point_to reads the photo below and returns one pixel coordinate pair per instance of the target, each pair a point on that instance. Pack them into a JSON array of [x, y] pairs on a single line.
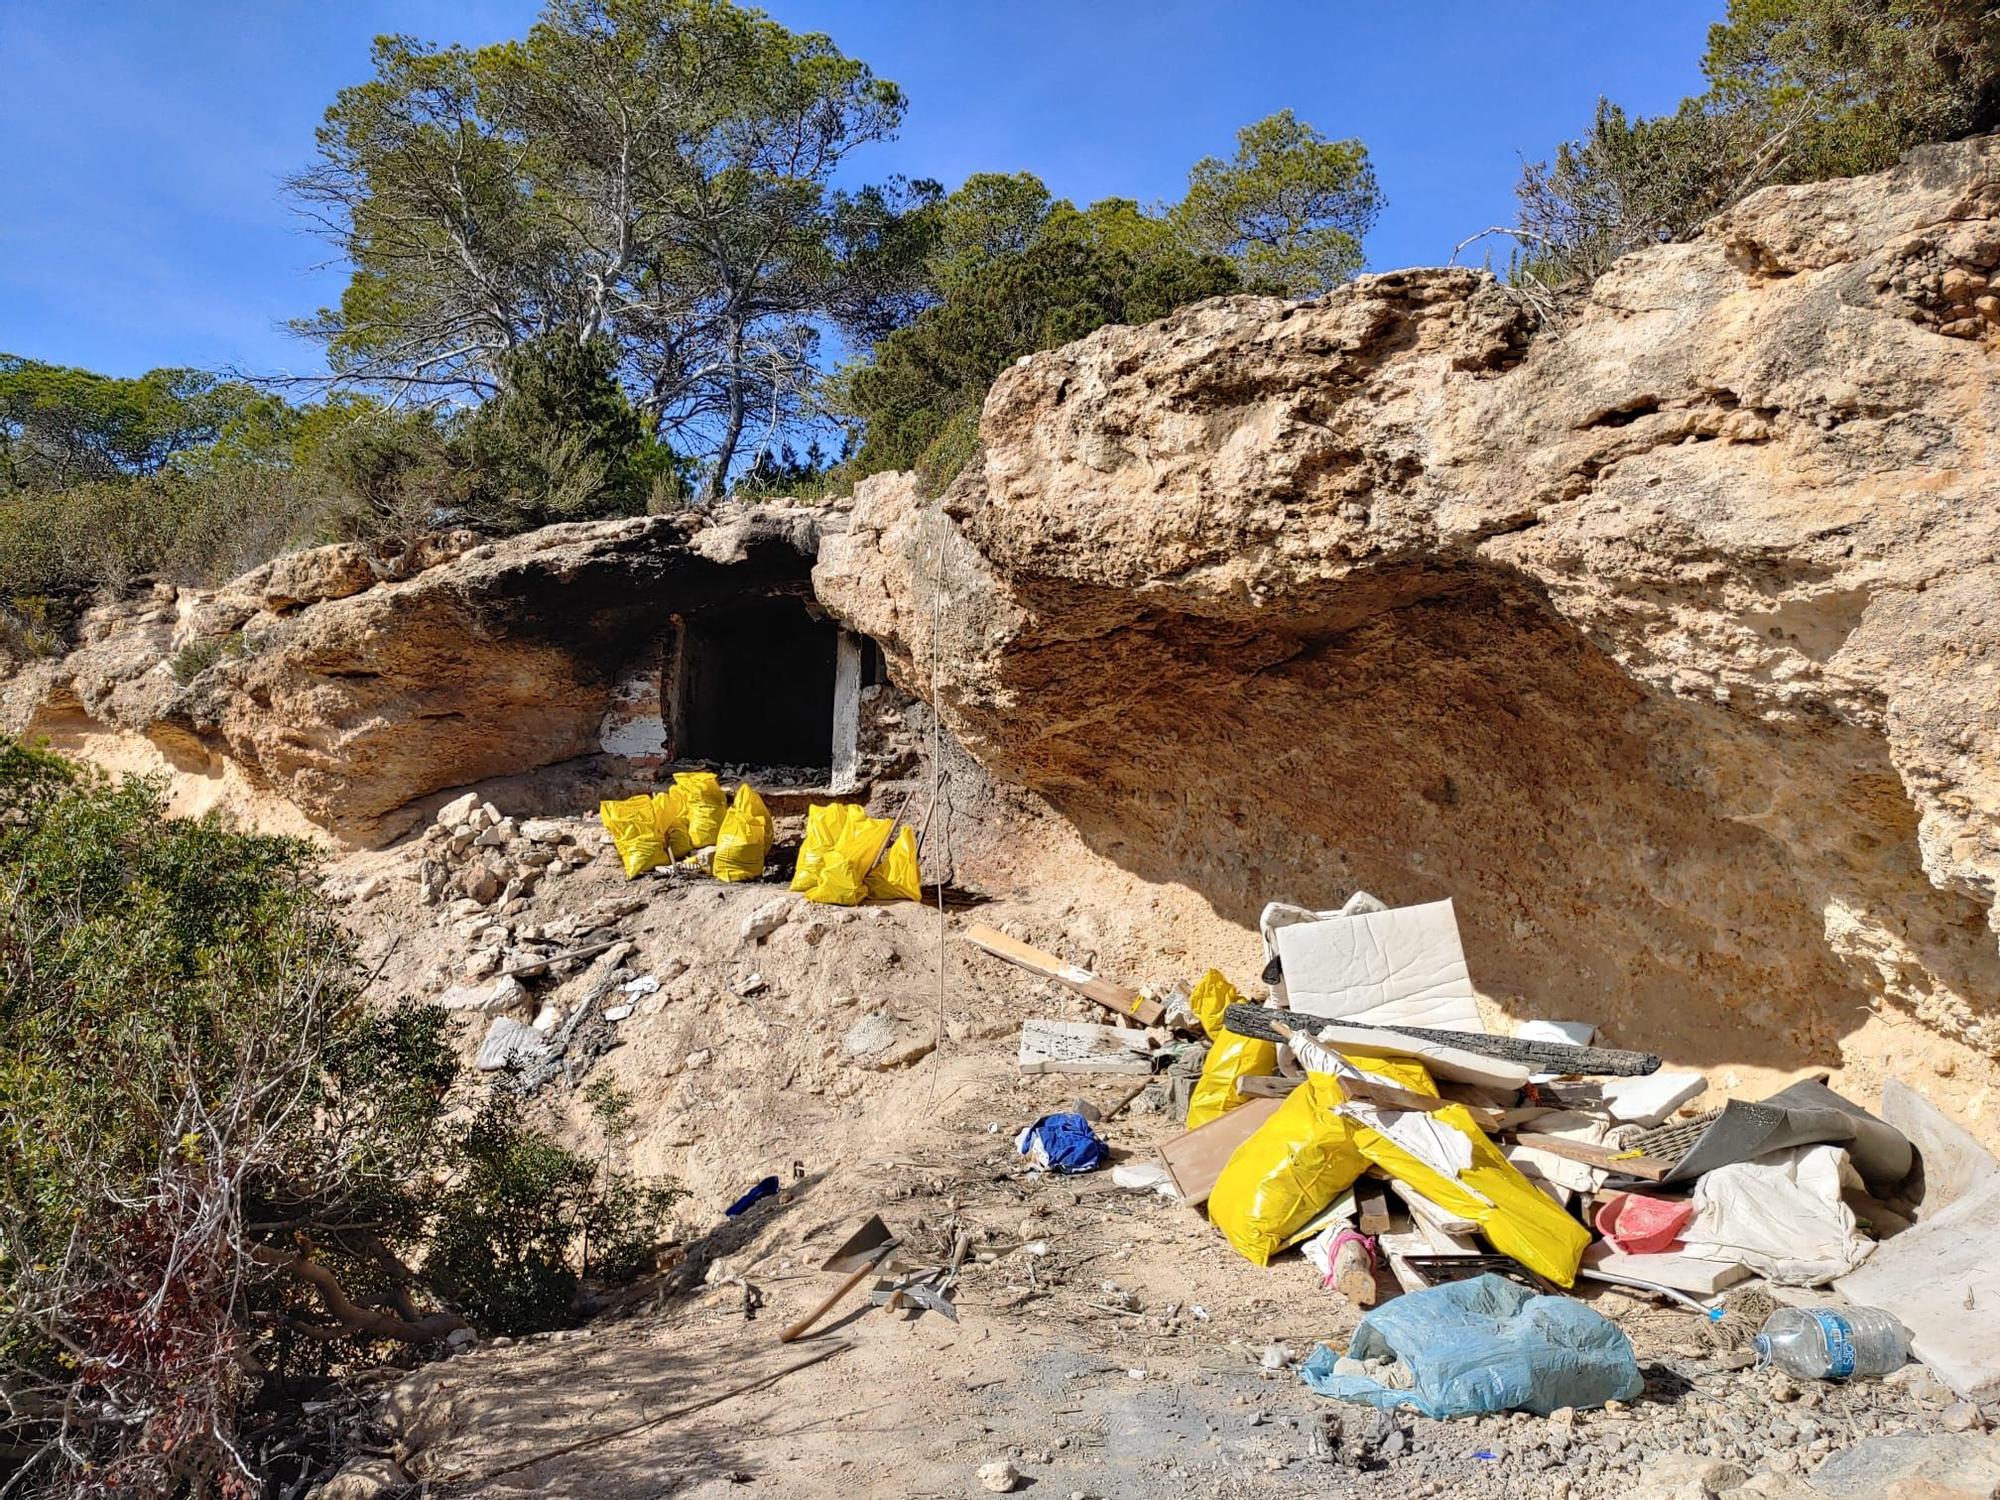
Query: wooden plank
[[1267, 1086], [1194, 1160], [1112, 996], [1604, 1157], [557, 958], [1397, 1248], [1371, 1199], [1425, 1211], [1441, 1241]]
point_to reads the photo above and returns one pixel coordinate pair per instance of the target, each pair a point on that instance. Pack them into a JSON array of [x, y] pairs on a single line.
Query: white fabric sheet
[[1781, 1215]]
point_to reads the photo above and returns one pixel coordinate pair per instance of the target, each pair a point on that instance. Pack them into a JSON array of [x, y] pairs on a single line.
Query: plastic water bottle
[[1832, 1343]]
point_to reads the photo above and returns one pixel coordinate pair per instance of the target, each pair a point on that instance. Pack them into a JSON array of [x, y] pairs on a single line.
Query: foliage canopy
[[1799, 91]]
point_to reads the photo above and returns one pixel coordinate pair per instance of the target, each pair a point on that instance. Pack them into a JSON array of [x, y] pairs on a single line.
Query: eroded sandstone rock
[[352, 680], [1666, 642]]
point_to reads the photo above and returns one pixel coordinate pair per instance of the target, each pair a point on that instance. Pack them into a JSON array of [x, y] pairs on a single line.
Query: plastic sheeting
[[1484, 1345], [1230, 1056], [1315, 1144]]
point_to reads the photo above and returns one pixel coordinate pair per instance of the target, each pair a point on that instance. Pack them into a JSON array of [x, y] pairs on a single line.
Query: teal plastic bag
[[1485, 1345]]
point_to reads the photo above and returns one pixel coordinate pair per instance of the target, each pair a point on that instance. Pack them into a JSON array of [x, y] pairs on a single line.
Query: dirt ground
[[1109, 1342]]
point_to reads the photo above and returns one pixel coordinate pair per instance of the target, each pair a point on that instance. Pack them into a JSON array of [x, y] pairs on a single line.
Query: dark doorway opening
[[757, 685]]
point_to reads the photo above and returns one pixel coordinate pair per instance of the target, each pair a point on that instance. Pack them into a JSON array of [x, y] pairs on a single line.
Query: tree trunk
[[1554, 1057], [732, 432]]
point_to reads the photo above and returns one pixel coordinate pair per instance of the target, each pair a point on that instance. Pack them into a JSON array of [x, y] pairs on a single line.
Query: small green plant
[[610, 1105], [32, 625], [196, 657], [529, 1221]]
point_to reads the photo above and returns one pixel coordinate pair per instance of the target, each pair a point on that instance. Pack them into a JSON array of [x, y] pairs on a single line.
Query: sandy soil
[[1123, 1357]]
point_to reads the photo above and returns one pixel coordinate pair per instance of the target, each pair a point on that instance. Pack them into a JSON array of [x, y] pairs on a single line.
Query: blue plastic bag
[[757, 1194], [1485, 1345], [1062, 1143]]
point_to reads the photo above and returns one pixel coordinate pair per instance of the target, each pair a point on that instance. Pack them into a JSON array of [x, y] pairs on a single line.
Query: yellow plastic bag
[[1517, 1217], [670, 812], [1299, 1160], [841, 846], [843, 859], [825, 822], [635, 833], [1230, 1056], [744, 838], [1211, 996], [1302, 1158], [897, 877], [705, 805]]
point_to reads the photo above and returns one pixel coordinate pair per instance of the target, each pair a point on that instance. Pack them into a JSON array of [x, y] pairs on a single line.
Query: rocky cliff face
[[347, 682], [1664, 641]]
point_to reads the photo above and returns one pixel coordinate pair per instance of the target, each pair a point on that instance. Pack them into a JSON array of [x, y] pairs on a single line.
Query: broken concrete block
[[1684, 1273], [1649, 1100], [1082, 1047], [1952, 1161], [543, 831], [1941, 1279], [507, 1039]]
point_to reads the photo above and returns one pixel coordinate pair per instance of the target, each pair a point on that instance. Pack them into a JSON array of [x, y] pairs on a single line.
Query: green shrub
[[1799, 91], [196, 657], [528, 1221], [220, 1168]]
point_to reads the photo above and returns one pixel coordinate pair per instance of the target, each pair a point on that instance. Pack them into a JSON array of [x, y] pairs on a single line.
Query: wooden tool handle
[[798, 1329]]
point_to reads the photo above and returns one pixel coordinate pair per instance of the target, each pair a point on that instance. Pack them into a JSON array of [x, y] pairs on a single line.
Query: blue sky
[[145, 139]]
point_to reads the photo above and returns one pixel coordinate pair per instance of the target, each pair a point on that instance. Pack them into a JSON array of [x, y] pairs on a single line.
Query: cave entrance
[[754, 683]]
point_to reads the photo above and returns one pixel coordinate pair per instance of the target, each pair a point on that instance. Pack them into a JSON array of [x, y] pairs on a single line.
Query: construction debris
[[1379, 1064]]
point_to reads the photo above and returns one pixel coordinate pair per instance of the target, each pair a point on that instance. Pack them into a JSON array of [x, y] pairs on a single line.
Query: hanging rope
[[938, 524]]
